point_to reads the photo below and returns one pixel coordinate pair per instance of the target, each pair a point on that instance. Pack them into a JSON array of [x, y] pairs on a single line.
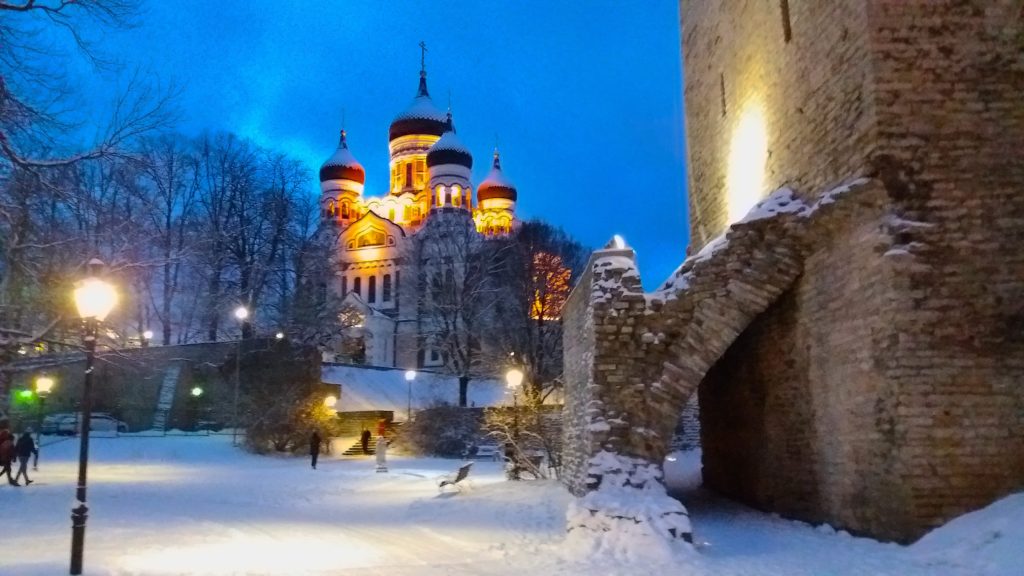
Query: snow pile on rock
[[629, 516]]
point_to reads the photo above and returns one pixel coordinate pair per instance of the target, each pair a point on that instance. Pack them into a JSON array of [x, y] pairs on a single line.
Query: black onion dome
[[496, 185], [449, 149], [342, 165], [420, 117]]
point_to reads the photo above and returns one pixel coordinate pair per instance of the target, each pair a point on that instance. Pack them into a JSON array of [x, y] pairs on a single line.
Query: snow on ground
[[195, 505]]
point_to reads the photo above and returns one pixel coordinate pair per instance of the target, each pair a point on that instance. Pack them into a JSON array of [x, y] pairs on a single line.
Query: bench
[[458, 476]]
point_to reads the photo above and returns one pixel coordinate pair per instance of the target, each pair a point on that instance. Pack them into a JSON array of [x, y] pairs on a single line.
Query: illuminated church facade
[[381, 248]]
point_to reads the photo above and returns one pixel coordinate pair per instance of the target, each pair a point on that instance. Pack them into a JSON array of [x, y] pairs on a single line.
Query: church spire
[[423, 70]]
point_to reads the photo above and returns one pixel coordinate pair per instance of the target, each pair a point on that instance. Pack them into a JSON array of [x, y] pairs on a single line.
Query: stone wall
[[903, 335], [127, 382], [814, 94]]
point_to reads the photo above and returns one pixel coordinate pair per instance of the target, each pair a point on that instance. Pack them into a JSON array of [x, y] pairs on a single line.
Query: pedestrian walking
[[314, 447], [24, 449], [7, 455], [364, 439]]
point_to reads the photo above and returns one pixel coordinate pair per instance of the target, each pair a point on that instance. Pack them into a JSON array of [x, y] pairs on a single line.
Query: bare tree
[[539, 266], [456, 293]]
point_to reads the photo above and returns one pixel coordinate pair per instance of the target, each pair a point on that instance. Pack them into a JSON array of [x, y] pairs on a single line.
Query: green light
[[25, 394]]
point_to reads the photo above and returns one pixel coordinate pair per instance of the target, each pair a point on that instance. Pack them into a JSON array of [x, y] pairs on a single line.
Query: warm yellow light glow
[[95, 298], [330, 401], [514, 378], [44, 384], [748, 155]]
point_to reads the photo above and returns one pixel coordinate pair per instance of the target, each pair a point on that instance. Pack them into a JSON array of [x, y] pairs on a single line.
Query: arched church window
[[386, 296], [344, 286], [357, 286], [344, 210], [330, 208], [437, 195], [371, 290], [408, 175]]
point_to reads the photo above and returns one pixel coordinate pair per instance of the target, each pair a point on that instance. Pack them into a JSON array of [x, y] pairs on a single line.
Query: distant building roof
[[367, 388]]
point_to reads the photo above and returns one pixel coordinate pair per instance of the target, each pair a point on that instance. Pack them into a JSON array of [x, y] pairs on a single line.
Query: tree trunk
[[463, 391]]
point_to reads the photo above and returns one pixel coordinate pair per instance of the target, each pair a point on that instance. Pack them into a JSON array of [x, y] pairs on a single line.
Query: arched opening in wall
[[757, 417], [371, 290]]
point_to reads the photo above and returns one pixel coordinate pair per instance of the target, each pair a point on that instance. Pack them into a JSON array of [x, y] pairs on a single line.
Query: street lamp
[[197, 392], [410, 375], [44, 384], [330, 401], [514, 379], [241, 313], [146, 337], [279, 336], [94, 299]]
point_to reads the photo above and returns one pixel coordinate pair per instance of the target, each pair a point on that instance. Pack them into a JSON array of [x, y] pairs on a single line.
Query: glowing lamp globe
[[514, 378], [241, 312], [44, 384], [330, 401], [95, 298], [197, 392], [279, 335], [410, 375], [148, 334]]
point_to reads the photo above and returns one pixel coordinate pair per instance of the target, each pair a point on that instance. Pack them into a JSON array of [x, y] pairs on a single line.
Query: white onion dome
[[342, 165], [449, 149], [496, 185], [420, 117]]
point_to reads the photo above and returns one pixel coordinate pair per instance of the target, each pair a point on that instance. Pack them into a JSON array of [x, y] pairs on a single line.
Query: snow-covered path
[[182, 505]]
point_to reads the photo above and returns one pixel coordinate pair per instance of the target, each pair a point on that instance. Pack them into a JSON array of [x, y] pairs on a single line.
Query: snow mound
[[989, 541]]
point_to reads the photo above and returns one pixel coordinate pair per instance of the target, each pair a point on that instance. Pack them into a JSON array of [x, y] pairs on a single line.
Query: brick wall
[[905, 333], [815, 93]]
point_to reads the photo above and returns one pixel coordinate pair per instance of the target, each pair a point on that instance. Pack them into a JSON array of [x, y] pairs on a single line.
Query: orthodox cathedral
[[377, 243]]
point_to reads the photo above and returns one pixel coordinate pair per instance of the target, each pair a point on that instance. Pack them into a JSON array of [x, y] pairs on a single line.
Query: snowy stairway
[[166, 398], [357, 448]]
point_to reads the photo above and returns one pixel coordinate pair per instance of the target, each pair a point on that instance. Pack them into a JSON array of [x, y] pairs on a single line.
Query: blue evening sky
[[585, 97]]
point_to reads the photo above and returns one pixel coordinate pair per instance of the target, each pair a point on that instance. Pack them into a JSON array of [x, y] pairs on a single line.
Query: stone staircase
[[165, 400], [356, 449]]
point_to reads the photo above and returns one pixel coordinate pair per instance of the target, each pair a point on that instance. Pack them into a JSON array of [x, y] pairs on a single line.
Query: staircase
[[165, 400], [357, 448]]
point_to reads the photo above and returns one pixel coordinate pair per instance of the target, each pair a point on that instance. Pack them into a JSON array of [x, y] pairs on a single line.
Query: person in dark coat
[[7, 455], [25, 448], [364, 439], [314, 447]]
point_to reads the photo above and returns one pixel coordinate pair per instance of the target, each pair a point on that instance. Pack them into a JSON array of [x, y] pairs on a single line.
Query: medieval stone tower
[[854, 314]]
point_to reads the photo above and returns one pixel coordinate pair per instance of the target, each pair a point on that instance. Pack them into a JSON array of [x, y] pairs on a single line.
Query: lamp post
[[241, 313], [514, 379], [44, 384], [94, 299], [410, 375]]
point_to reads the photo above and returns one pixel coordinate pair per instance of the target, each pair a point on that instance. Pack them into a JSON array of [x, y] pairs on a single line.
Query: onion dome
[[496, 185], [342, 165], [420, 117], [449, 149]]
